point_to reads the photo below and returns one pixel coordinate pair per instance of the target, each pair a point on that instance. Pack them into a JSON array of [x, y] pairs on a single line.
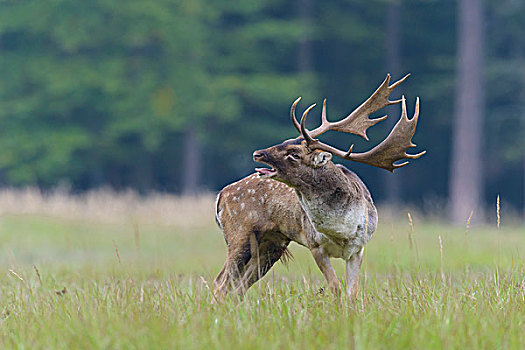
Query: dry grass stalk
[[498, 223], [16, 275], [412, 236], [498, 211], [209, 289], [468, 223], [441, 255], [410, 233], [116, 251], [38, 274]]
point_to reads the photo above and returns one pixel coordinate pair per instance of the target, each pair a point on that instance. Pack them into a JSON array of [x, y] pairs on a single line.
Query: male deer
[[305, 198]]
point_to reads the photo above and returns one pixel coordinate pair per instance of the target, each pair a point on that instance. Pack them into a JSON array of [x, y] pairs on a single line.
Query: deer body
[[304, 197], [264, 213]]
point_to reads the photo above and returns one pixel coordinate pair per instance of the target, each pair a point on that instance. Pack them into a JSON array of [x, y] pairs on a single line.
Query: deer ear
[[321, 158]]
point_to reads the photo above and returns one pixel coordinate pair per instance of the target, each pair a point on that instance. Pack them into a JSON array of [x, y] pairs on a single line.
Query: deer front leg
[[352, 273], [323, 261]]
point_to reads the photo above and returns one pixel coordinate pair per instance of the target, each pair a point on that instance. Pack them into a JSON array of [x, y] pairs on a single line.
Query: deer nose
[[259, 155]]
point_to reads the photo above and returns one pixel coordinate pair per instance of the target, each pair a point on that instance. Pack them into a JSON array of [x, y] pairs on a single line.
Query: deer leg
[[323, 261], [268, 251], [229, 278], [352, 273], [249, 263]]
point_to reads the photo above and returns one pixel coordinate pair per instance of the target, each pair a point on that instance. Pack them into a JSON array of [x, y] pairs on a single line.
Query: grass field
[[119, 271]]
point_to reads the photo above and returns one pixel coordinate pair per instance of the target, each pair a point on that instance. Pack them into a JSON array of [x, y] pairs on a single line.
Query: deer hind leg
[[249, 261], [267, 251], [352, 273], [323, 262], [248, 264], [229, 277]]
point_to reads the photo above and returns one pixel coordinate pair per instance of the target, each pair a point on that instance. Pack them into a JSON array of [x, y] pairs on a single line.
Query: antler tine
[[316, 144], [292, 114], [414, 120], [393, 86], [323, 113], [304, 133], [358, 122]]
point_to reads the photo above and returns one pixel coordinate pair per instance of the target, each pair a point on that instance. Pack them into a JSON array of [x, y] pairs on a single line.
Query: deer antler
[[384, 155], [356, 122]]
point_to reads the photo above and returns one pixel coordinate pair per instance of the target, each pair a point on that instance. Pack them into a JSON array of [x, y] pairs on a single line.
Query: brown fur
[[260, 216]]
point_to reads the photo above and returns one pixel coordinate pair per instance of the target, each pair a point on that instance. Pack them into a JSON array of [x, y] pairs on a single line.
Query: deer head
[[290, 160]]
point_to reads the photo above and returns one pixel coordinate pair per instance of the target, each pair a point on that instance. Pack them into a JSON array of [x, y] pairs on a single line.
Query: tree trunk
[[392, 182], [465, 173], [191, 163]]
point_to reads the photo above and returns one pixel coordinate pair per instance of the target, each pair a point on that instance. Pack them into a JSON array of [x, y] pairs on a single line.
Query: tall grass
[[108, 270]]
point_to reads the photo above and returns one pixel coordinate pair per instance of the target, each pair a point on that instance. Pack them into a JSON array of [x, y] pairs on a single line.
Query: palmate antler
[[384, 155]]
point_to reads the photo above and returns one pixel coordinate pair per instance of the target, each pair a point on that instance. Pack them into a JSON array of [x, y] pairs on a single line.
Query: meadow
[[107, 270]]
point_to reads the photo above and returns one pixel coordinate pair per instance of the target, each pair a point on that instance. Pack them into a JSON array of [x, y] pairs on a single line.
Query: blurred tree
[[176, 96], [466, 180], [505, 136], [259, 44], [108, 93], [392, 182]]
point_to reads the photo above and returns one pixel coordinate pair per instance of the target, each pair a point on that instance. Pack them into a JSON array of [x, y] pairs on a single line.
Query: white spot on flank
[[235, 199], [253, 199], [238, 188], [253, 215], [234, 212], [262, 200], [242, 206]]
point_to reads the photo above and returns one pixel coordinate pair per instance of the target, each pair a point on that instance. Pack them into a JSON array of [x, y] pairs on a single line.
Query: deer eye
[[293, 156]]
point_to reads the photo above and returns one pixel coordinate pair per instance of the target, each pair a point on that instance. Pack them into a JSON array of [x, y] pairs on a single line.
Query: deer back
[[254, 205]]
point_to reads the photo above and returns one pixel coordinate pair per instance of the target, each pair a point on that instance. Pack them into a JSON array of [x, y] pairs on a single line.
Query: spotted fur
[[329, 211]]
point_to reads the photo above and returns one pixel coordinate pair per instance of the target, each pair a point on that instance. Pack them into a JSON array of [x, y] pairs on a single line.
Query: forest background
[[174, 96]]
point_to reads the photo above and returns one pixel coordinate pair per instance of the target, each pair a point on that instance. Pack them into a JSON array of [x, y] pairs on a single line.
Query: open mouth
[[266, 172]]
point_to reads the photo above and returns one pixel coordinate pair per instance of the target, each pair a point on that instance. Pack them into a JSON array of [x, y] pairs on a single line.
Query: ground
[[113, 271]]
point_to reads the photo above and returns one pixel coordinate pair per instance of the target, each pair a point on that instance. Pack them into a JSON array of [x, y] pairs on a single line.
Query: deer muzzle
[[262, 157], [259, 156]]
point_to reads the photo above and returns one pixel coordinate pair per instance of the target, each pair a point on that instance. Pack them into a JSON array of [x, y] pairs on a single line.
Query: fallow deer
[[304, 197]]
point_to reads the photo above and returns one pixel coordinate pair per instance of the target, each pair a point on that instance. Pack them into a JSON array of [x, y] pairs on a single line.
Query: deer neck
[[327, 195]]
